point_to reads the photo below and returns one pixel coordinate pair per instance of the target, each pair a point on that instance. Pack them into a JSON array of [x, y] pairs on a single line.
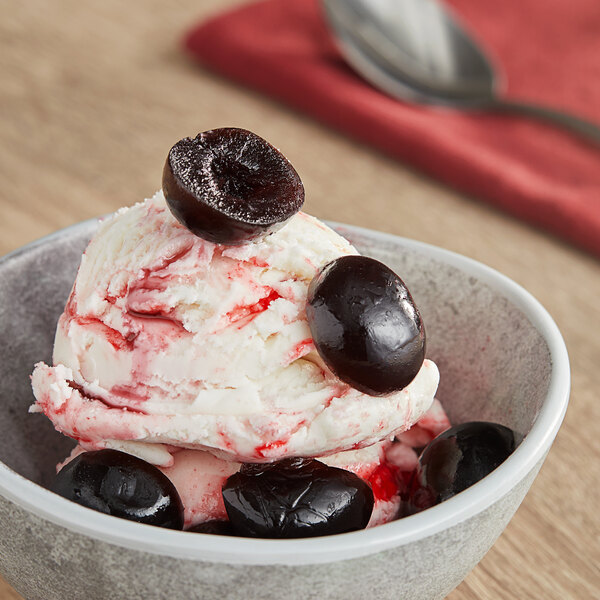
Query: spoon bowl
[[416, 50]]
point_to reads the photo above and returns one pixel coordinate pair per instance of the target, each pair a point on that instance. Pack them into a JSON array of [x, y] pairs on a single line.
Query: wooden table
[[93, 94]]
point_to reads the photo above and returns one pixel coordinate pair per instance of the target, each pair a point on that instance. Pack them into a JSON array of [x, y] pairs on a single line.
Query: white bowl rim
[[220, 549]]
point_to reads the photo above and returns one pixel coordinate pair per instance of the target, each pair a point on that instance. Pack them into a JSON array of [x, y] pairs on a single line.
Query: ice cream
[[197, 355], [170, 340]]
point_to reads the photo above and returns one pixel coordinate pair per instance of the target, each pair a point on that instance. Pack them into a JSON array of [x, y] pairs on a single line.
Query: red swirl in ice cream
[[169, 340]]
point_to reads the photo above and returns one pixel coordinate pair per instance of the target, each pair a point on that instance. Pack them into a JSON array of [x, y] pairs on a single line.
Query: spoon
[[415, 50]]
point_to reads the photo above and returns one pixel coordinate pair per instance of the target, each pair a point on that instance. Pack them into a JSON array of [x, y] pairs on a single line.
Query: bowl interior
[[494, 364]]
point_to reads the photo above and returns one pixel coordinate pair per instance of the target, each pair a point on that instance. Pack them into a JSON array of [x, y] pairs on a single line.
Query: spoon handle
[[584, 129]]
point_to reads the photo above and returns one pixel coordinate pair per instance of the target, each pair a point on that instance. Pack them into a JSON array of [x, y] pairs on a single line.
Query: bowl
[[501, 358]]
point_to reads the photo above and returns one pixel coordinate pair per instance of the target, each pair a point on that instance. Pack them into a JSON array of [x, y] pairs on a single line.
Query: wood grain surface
[[93, 94]]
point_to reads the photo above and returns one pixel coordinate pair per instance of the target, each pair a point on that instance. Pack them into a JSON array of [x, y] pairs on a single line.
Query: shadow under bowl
[[501, 358]]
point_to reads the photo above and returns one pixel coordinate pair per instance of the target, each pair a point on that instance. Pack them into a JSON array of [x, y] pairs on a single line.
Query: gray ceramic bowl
[[501, 358]]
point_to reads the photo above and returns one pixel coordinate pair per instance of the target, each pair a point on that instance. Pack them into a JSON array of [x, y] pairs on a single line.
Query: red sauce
[[114, 337], [261, 451], [384, 482], [301, 349], [244, 311]]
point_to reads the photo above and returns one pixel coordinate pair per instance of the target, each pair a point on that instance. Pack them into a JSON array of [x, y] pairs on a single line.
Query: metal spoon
[[415, 50]]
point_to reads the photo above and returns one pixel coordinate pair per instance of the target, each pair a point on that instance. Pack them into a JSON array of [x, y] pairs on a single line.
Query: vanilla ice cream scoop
[[169, 340]]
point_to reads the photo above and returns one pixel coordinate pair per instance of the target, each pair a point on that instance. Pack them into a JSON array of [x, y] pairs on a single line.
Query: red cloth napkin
[[549, 51]]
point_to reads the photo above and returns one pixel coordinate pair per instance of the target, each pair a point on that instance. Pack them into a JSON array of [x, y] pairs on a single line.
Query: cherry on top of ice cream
[[230, 186], [365, 325]]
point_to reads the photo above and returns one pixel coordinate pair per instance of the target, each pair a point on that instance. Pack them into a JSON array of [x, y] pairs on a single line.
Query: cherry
[[230, 186], [118, 484], [296, 498], [456, 459], [214, 527], [365, 325]]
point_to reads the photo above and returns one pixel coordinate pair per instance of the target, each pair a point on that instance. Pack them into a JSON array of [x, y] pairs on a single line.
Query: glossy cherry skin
[[365, 325], [230, 186], [296, 498], [121, 485], [456, 459]]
